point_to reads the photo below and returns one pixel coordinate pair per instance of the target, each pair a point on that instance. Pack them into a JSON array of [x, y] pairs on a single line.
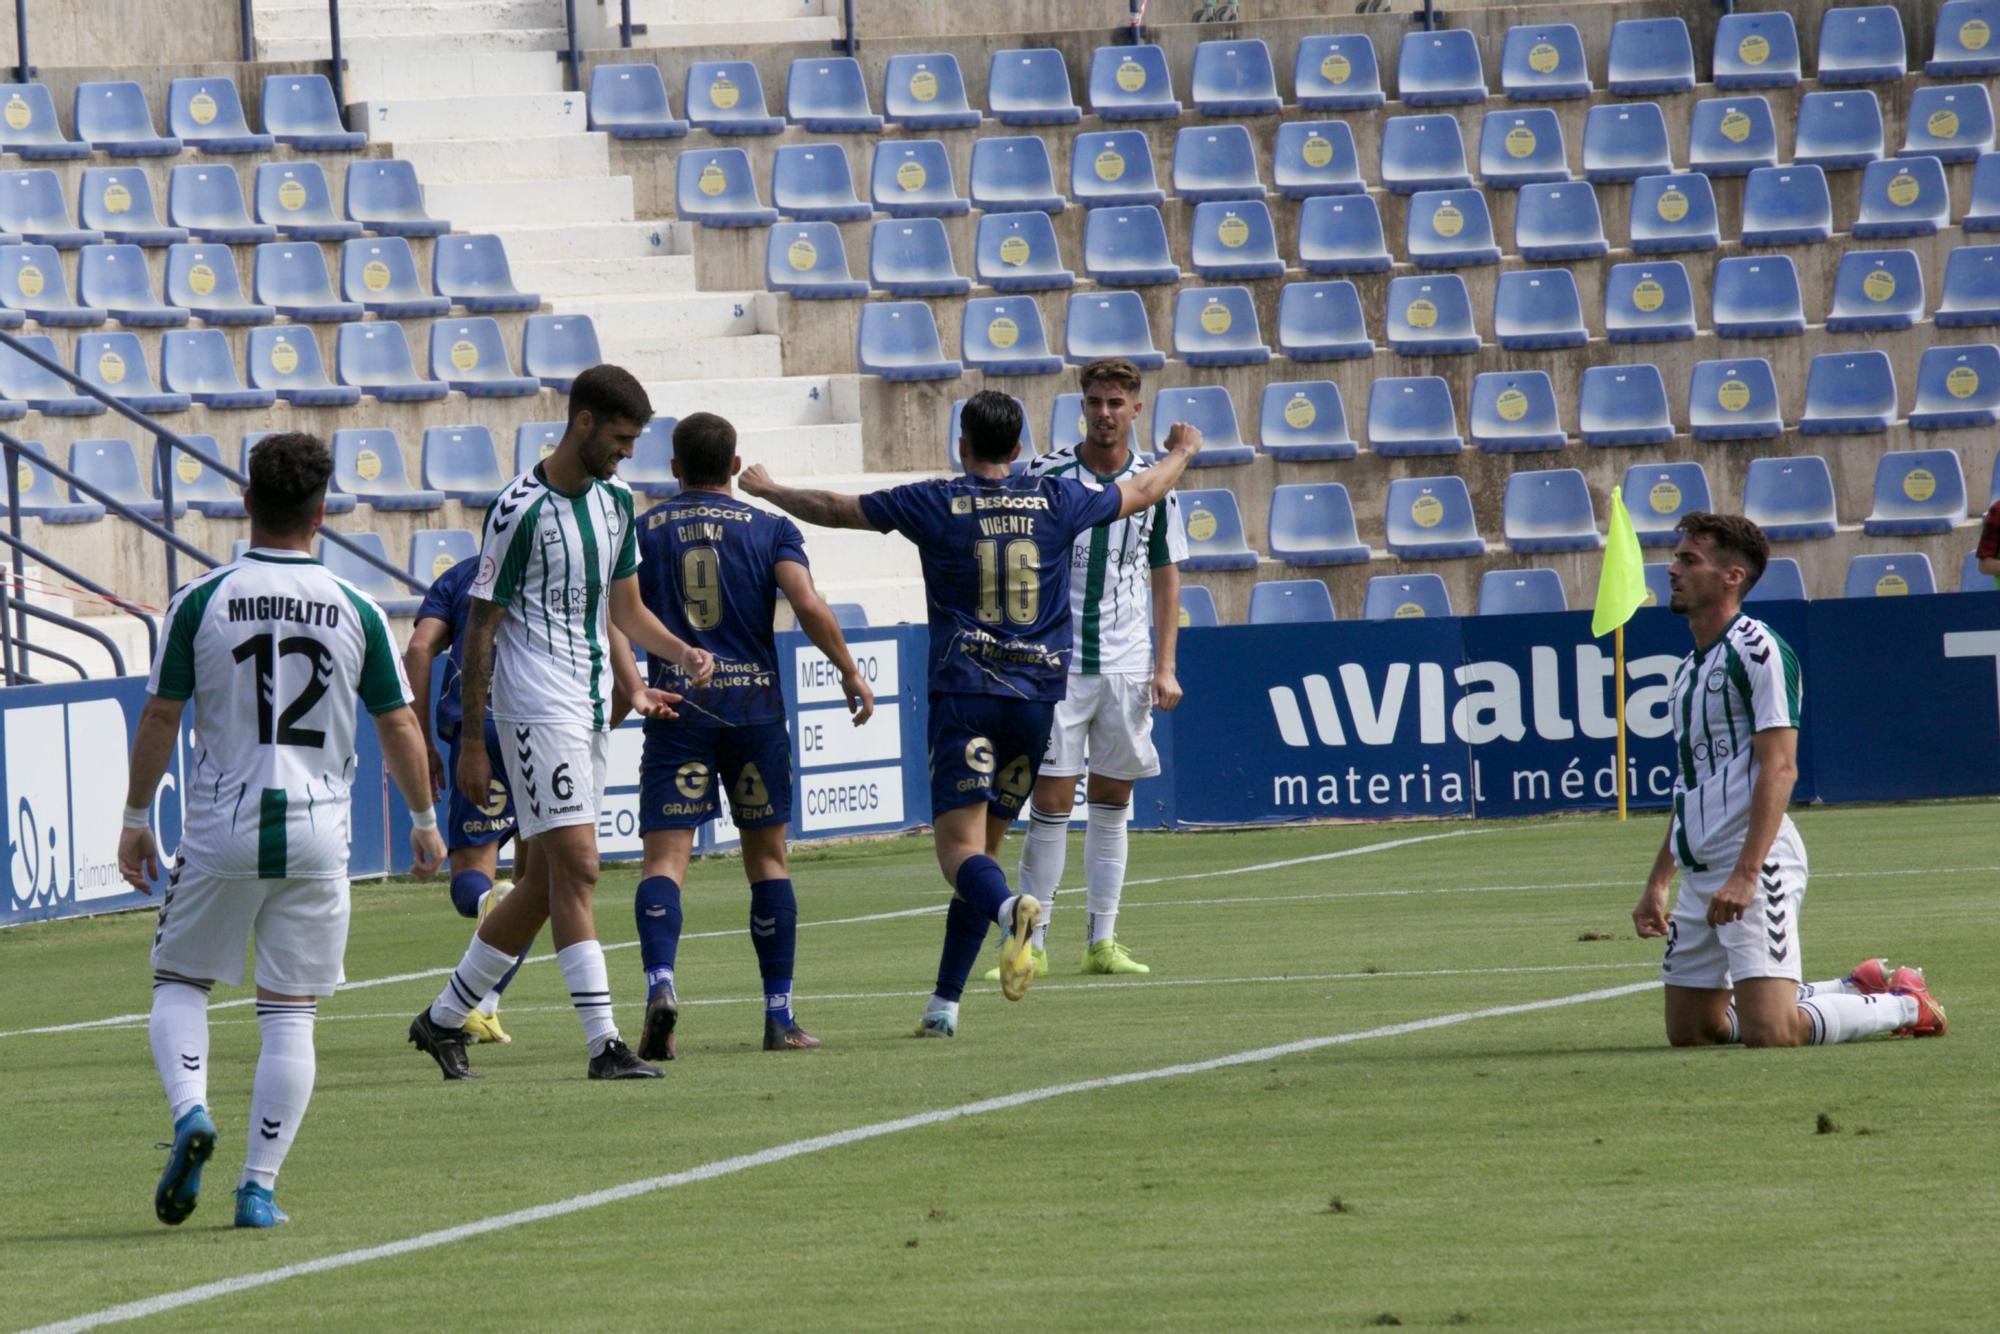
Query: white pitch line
[[1303, 861], [204, 1292]]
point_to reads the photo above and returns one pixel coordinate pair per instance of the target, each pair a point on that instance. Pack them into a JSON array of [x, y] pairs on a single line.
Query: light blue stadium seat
[[1301, 421], [911, 178], [1410, 415], [375, 358], [368, 465], [1876, 291], [827, 95], [208, 114], [1003, 335], [1734, 400], [389, 592], [558, 348], [32, 208], [1786, 206], [814, 183], [1903, 574], [1400, 597], [1971, 295], [1017, 252], [1131, 83], [42, 498], [1782, 582], [1066, 424], [1215, 162], [381, 273], [118, 201], [1861, 44], [1535, 309], [535, 441], [1982, 212], [1234, 240], [1289, 602], [29, 128], [113, 468], [1520, 593], [200, 364], [1956, 387], [460, 461], [1558, 221], [294, 198], [1430, 314], [1515, 411], [203, 489], [114, 278], [1916, 491], [1673, 215], [807, 260], [1970, 580], [1904, 196], [1312, 523], [1214, 529], [1422, 153], [1234, 78], [1549, 510], [470, 356], [299, 111], [1197, 608], [714, 187], [727, 97], [1623, 141], [1732, 136], [1757, 296], [630, 102], [1109, 324], [471, 271], [116, 363], [203, 279], [650, 470], [1127, 247], [1649, 302], [1952, 123], [1543, 62], [898, 340], [113, 118], [290, 277], [1030, 87], [1315, 157], [1964, 45], [1449, 229], [926, 91], [1113, 167], [382, 195], [1521, 146], [1839, 130], [1209, 409], [1021, 460], [849, 615], [1659, 592], [32, 282], [1322, 322], [1012, 173], [1848, 393], [207, 199], [1439, 68], [1658, 494], [1649, 56], [1337, 72], [287, 360], [1342, 234], [1759, 50], [1623, 405], [912, 257], [1430, 518], [1217, 326], [435, 550]]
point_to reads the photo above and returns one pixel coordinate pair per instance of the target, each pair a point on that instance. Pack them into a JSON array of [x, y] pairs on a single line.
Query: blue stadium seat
[[1312, 523], [827, 95], [29, 128], [926, 91], [1017, 252], [1109, 324], [294, 198], [118, 201], [1543, 63], [535, 441], [650, 470], [1217, 326], [1215, 532], [382, 195], [290, 277], [1301, 421], [630, 102], [1916, 491], [1449, 229], [558, 348], [1659, 592], [727, 97], [1549, 511], [1234, 240], [1648, 302], [1971, 295], [1410, 415], [1839, 130], [298, 110], [389, 592], [1757, 296], [1520, 593], [1337, 73], [114, 278], [1234, 78], [375, 358], [1066, 425], [1519, 147], [460, 461], [1322, 322], [368, 465], [807, 260], [1982, 212], [1013, 173], [849, 615], [381, 273], [898, 340], [471, 271], [1759, 50], [1003, 335], [813, 183], [435, 550], [1398, 597], [1210, 410], [41, 497], [911, 178], [1422, 153], [1623, 141], [1559, 221], [1782, 582], [1970, 580], [1127, 247], [1131, 83], [1732, 136], [1903, 574], [204, 490], [1215, 162], [203, 279], [1430, 315], [1952, 123], [1658, 494], [1848, 393], [113, 118], [1113, 167], [1623, 405], [1289, 602], [200, 364], [1315, 157], [287, 360], [1876, 291], [1734, 400], [113, 468], [1197, 608], [1515, 411], [1904, 196], [1964, 40], [116, 363], [32, 207], [1536, 309], [1786, 206], [1342, 234], [714, 187], [1956, 387], [208, 201], [912, 257], [471, 357], [1649, 56], [32, 282], [1430, 518], [1673, 215], [1030, 87], [1861, 44], [208, 114], [1439, 68]]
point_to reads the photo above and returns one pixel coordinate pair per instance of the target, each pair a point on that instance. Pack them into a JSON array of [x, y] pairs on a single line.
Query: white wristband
[[427, 818], [138, 817]]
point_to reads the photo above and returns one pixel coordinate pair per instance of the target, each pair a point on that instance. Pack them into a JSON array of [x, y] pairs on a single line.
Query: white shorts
[[299, 926], [1764, 942], [556, 773], [1108, 719]]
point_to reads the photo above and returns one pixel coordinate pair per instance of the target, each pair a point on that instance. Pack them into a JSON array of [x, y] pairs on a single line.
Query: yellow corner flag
[[1621, 581]]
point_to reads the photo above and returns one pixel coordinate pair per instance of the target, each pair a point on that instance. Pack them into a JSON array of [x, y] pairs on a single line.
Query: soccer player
[[711, 567], [996, 561], [273, 650], [558, 569], [1732, 965]]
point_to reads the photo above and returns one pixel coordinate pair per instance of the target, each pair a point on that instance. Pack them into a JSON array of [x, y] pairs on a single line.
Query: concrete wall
[[126, 32]]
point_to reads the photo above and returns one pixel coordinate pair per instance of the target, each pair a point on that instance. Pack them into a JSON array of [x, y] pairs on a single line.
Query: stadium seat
[[32, 208], [375, 358], [1439, 68], [1113, 167], [1003, 335], [912, 257], [1337, 73], [1659, 592], [460, 462], [208, 201], [207, 114], [381, 273], [898, 340], [32, 282], [1289, 602], [813, 183], [1543, 63], [1322, 322], [471, 357], [1623, 405], [714, 187], [1066, 425], [1971, 295], [727, 97], [1649, 56], [535, 441], [1658, 494], [29, 129], [1732, 136], [557, 348], [1030, 87], [807, 260], [390, 593], [1536, 309], [1315, 157], [287, 360], [118, 201], [203, 489], [1430, 518], [1904, 196], [1759, 50], [1916, 491], [1127, 247], [114, 278], [1013, 173], [1956, 387], [113, 118], [650, 470], [1520, 593], [1876, 291], [116, 363], [1970, 580], [1215, 162], [1301, 421], [1209, 409], [1422, 153], [1648, 302], [957, 464], [290, 277], [1234, 240], [298, 110], [1430, 315], [1782, 582], [41, 497], [1786, 206], [849, 615], [926, 91], [1559, 221], [1849, 392], [1623, 141], [1514, 411], [911, 178], [1904, 574], [200, 364], [1197, 608], [1109, 324], [630, 102], [1757, 296], [294, 198], [1838, 130], [1734, 400], [1017, 252], [1342, 234], [827, 95], [1410, 415], [1449, 229], [471, 271], [1953, 123], [1673, 215], [435, 550], [368, 465], [1214, 531], [1549, 511], [1131, 83], [1982, 212], [1234, 78], [1963, 46], [1521, 147], [382, 195], [1399, 597], [1217, 326], [203, 279], [112, 467], [1860, 44]]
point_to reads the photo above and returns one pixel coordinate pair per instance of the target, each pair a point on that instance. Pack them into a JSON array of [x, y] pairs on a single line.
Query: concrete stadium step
[[595, 241], [672, 320], [384, 47], [278, 21], [560, 279], [416, 67], [893, 601], [485, 204], [724, 33], [759, 404], [533, 158], [803, 451], [695, 13], [749, 357], [441, 115]]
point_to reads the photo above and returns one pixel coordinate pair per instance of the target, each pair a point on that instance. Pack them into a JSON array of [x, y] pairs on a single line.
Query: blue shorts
[[680, 764], [986, 748], [470, 826]]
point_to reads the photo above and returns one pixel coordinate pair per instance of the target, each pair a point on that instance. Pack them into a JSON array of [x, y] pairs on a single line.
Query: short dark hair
[[1733, 536], [288, 476], [610, 393], [704, 446], [992, 421], [1111, 370]]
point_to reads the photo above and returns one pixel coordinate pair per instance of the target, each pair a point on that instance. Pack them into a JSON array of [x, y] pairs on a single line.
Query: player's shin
[[590, 992], [178, 1030], [1043, 853], [964, 932], [1843, 1018], [285, 1067], [656, 909], [467, 888], [477, 973], [1105, 843], [774, 930]]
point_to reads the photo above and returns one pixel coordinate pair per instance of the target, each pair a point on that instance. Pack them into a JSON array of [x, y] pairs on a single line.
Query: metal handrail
[[23, 71], [248, 25], [76, 626], [339, 64], [848, 43], [1134, 29], [1430, 16], [83, 581], [569, 55], [627, 29], [12, 450]]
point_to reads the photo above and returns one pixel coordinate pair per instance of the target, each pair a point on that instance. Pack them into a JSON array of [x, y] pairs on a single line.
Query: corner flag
[[1621, 581]]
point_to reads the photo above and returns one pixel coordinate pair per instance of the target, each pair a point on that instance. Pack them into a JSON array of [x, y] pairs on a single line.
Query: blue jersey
[[996, 559], [708, 569], [450, 600]]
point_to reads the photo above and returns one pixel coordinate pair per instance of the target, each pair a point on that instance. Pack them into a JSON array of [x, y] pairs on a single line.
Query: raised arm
[[152, 747], [817, 620], [1149, 487], [828, 509]]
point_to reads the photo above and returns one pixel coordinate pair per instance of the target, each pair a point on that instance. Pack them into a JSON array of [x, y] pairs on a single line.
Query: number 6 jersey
[[273, 649]]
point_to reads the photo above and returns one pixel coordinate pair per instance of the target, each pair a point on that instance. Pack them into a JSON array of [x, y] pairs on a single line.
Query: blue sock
[[774, 930], [658, 912], [964, 933], [466, 887], [983, 884], [508, 976]]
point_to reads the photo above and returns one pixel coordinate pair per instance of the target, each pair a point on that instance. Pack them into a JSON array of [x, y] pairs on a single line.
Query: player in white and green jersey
[[273, 650], [1732, 966]]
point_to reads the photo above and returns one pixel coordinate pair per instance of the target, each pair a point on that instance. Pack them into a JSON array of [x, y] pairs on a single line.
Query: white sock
[[938, 1002], [283, 1087], [589, 991], [1004, 918], [1838, 986], [1845, 1018], [178, 1028], [1043, 853], [490, 1006], [1104, 844], [1735, 1032], [475, 975]]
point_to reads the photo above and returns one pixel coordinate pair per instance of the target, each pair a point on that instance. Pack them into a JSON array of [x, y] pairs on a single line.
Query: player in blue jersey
[[996, 560], [711, 567]]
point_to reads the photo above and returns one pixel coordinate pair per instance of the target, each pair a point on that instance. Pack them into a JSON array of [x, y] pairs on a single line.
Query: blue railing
[[337, 73], [572, 61], [22, 71], [247, 25], [627, 29], [847, 43]]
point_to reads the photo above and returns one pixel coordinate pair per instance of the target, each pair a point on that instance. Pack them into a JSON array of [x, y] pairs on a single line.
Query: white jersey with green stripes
[[1746, 682], [549, 559], [273, 649], [1111, 569]]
